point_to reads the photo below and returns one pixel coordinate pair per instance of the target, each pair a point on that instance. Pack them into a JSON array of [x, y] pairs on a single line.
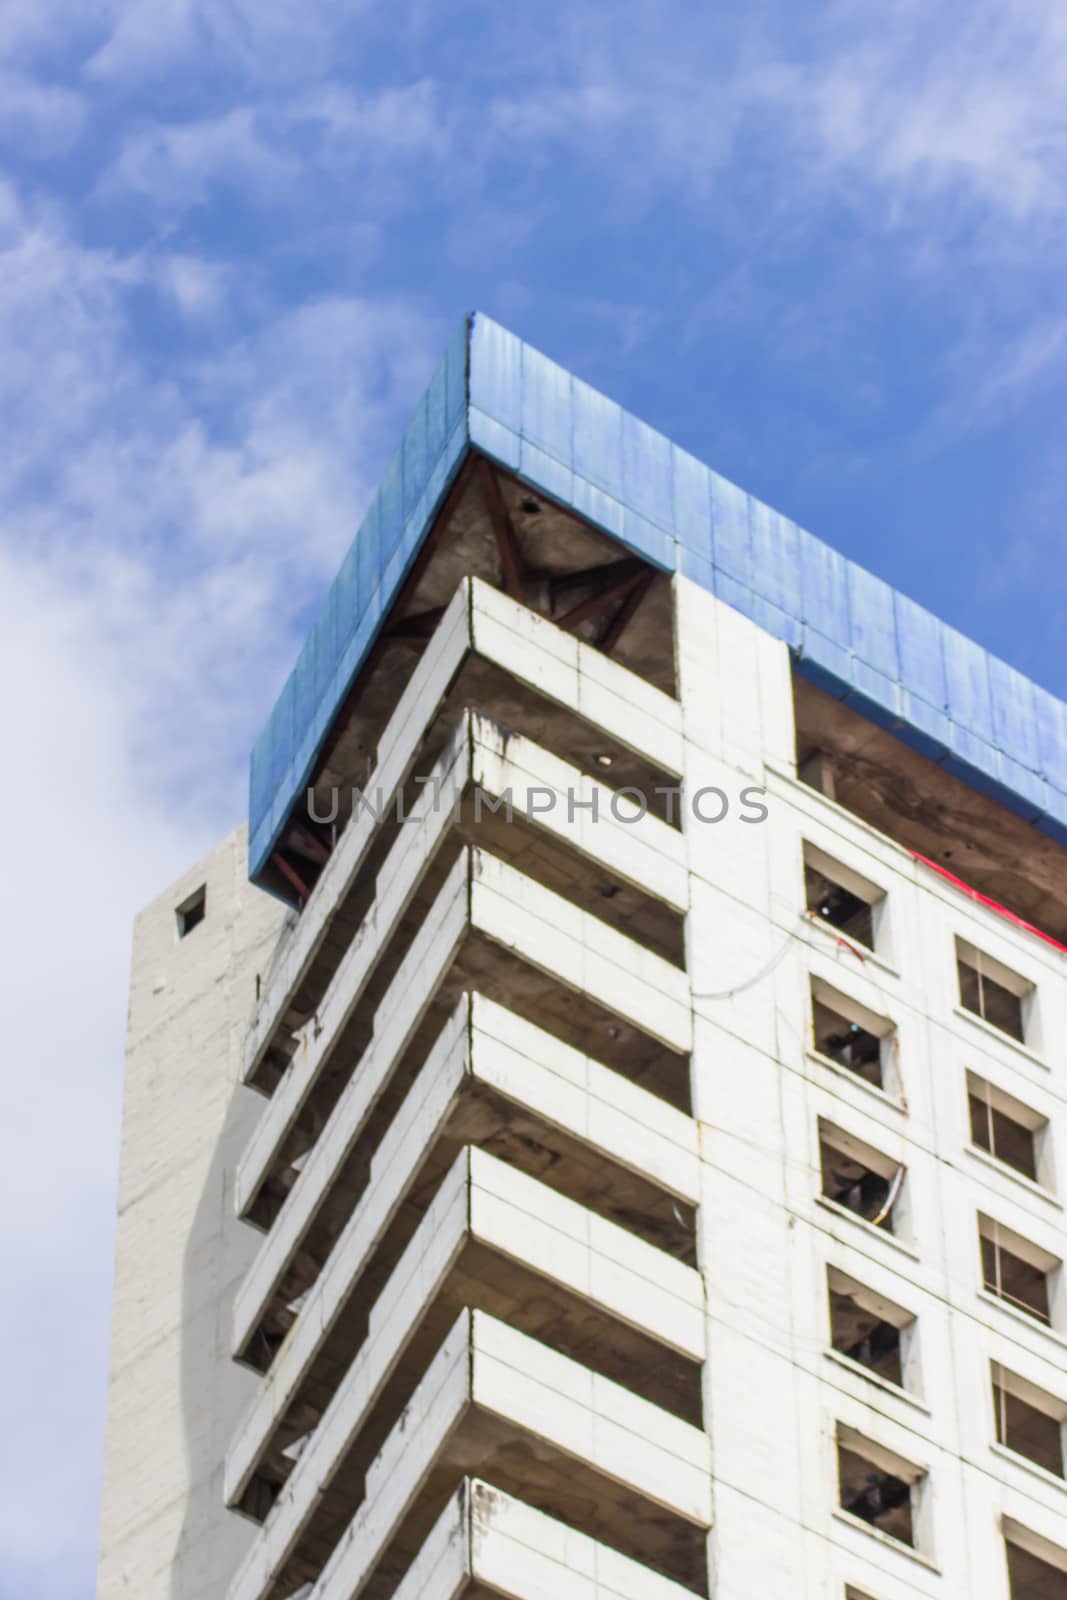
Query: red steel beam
[[625, 612], [511, 561], [291, 875], [596, 602]]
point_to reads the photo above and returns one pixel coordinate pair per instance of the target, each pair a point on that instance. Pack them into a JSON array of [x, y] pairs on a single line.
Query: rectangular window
[[840, 898], [992, 991], [871, 1330], [191, 912], [1037, 1569], [1008, 1130], [1028, 1420], [879, 1487], [1016, 1271], [853, 1037], [861, 1179]]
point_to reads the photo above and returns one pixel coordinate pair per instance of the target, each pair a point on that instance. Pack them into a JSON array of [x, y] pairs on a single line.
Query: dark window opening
[[859, 1332], [850, 1181], [832, 903], [994, 1131], [1030, 1578], [191, 912], [875, 1495], [848, 1043], [1013, 1279], [986, 997], [1025, 1428]]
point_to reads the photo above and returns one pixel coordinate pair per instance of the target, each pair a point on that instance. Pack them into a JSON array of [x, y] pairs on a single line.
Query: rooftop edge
[[849, 632]]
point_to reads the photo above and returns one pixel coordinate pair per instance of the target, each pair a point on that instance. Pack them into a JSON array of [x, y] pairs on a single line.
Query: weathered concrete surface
[[174, 1395], [486, 1542], [757, 1458]]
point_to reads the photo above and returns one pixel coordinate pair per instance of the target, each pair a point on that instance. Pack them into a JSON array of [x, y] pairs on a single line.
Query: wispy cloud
[[397, 120], [77, 788], [45, 118], [972, 113], [178, 164], [263, 40], [1001, 374], [160, 534], [221, 227], [911, 110]]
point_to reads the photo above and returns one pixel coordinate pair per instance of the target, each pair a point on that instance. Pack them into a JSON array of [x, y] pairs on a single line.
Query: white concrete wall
[[490, 1539], [774, 1392], [174, 1394]]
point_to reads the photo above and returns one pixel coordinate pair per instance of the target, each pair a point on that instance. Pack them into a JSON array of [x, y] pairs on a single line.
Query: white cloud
[[32, 28], [997, 372], [88, 843], [403, 119], [41, 119], [197, 287], [260, 39], [913, 110], [159, 536], [178, 164], [250, 150], [969, 114]]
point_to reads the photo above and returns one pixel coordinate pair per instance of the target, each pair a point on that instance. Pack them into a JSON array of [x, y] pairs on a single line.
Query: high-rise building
[[602, 1134]]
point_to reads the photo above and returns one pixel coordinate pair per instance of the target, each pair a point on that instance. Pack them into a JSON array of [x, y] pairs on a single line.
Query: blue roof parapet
[[850, 633]]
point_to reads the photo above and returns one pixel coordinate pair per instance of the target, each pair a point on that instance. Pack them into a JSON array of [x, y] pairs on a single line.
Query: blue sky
[[822, 247]]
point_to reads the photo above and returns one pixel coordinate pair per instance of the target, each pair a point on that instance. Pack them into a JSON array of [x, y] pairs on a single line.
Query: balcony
[[491, 652], [489, 1235], [486, 1542], [496, 1400], [476, 1172], [600, 900], [497, 1079]]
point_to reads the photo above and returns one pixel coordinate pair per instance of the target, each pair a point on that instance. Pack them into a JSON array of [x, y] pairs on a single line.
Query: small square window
[[992, 991], [840, 898], [870, 1330], [1028, 1420], [1016, 1271], [853, 1037], [879, 1487], [191, 912], [1008, 1130], [861, 1179]]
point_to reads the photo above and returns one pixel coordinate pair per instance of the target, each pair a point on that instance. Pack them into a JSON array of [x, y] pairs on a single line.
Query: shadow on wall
[[213, 1390]]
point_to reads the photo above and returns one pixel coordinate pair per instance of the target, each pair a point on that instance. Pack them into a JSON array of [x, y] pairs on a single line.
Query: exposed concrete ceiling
[[498, 530], [916, 802]]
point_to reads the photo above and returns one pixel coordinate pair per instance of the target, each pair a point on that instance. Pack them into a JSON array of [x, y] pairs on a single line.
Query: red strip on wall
[[990, 905]]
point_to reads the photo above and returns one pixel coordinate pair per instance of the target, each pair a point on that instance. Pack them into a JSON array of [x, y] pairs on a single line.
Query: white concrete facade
[[174, 1398], [541, 1298]]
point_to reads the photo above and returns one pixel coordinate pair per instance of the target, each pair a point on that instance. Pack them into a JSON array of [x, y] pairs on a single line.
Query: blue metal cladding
[[849, 632], [371, 574]]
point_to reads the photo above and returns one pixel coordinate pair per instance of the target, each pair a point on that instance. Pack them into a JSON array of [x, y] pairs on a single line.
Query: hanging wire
[[757, 977], [779, 955]]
